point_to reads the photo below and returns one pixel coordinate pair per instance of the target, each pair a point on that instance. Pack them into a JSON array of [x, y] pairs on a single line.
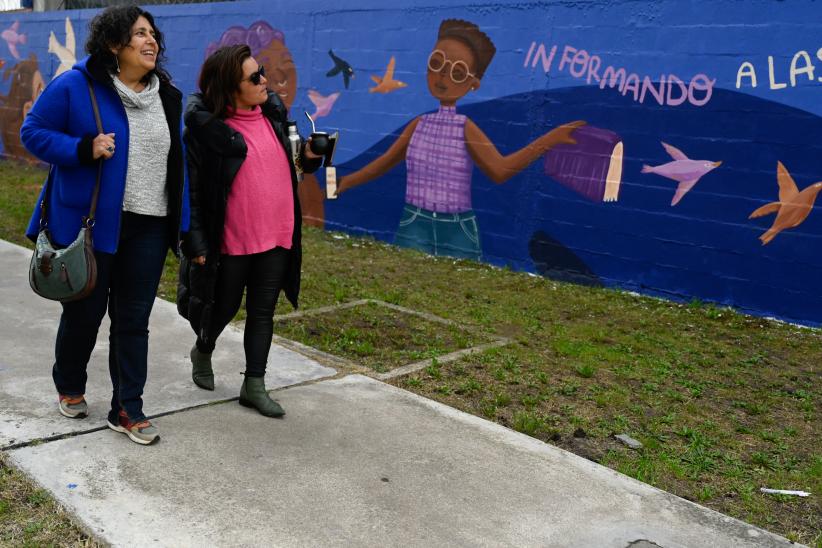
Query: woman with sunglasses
[[441, 148], [245, 215]]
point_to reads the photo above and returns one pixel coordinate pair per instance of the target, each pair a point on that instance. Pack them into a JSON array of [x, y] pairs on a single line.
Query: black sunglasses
[[254, 77]]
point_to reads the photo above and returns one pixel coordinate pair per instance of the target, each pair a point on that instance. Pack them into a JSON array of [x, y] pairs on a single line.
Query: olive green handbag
[[69, 273]]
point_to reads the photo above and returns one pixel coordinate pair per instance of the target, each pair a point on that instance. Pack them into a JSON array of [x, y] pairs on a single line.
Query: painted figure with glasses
[[440, 150]]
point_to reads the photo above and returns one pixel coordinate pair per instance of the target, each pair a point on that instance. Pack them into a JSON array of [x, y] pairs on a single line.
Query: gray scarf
[[144, 99]]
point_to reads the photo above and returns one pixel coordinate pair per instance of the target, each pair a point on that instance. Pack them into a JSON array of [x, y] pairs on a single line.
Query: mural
[[441, 149], [666, 189], [13, 38], [25, 85], [683, 170], [64, 52], [268, 48], [322, 103], [340, 67], [792, 208], [386, 83]]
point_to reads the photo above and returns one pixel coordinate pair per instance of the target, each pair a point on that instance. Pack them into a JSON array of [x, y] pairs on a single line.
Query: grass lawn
[[723, 403], [29, 516]]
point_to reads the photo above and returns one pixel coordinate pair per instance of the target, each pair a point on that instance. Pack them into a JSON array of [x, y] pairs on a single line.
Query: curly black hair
[[111, 28]]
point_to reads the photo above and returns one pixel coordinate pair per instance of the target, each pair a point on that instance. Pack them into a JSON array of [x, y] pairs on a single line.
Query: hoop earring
[[117, 62]]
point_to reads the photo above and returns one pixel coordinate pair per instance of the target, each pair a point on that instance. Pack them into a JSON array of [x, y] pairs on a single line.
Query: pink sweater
[[260, 210]]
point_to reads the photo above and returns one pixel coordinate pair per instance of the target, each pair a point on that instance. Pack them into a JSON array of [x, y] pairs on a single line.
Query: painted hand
[[562, 135], [341, 186]]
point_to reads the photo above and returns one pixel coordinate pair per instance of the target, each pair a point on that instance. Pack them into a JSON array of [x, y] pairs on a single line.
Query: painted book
[[592, 167]]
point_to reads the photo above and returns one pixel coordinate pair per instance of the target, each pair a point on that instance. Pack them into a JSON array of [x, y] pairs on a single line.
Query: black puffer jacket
[[214, 154]]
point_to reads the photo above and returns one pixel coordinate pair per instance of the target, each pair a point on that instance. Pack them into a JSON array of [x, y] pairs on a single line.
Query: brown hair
[[220, 77], [470, 35]]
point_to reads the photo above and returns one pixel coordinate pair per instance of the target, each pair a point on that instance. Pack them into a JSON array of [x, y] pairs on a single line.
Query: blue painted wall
[[704, 247]]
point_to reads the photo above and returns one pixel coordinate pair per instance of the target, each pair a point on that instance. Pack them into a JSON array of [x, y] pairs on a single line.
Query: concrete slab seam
[[312, 352], [47, 439], [316, 354], [453, 356], [58, 437]]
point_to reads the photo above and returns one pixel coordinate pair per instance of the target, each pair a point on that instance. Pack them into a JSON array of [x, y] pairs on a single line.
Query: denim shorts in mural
[[448, 234]]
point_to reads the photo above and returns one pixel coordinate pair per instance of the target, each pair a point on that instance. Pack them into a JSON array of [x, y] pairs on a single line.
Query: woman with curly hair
[[140, 207]]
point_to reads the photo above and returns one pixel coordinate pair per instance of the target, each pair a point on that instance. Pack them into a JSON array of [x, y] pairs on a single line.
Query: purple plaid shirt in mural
[[439, 166]]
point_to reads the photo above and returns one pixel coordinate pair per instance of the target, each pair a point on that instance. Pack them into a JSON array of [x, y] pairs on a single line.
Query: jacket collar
[[205, 126], [211, 130]]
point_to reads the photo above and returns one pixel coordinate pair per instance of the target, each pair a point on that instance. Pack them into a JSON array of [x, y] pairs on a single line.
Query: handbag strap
[[95, 108], [89, 220]]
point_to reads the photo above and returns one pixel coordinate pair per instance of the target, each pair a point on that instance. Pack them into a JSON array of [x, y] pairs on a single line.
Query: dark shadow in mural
[[268, 48], [554, 260], [704, 246], [25, 85]]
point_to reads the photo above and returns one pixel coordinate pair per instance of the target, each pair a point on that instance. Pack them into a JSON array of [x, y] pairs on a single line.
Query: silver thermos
[[295, 142]]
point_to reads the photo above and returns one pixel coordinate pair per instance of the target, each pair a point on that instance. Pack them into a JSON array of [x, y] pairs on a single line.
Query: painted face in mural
[[451, 69], [252, 89], [140, 54], [280, 70]]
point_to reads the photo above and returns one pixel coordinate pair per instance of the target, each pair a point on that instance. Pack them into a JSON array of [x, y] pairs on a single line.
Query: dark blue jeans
[[126, 285]]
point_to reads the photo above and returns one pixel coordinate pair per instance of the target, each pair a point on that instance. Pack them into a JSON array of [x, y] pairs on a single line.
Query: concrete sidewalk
[[355, 462]]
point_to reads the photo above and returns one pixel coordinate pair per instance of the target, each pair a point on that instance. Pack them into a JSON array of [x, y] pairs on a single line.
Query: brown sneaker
[[142, 432], [73, 407]]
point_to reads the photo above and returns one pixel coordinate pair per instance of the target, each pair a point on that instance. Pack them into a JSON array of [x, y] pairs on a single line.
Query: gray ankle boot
[[253, 394], [201, 372]]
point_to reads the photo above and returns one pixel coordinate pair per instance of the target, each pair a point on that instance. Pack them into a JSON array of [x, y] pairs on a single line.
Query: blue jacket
[[60, 129]]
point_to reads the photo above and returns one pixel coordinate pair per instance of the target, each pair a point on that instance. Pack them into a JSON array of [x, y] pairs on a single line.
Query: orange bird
[[387, 84], [793, 206]]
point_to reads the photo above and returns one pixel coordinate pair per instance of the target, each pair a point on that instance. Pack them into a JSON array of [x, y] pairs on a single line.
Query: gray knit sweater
[[149, 143]]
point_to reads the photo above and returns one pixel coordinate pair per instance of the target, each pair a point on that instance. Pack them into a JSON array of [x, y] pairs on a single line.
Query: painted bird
[[387, 84], [13, 38], [684, 170], [793, 206], [340, 66], [66, 53], [323, 103]]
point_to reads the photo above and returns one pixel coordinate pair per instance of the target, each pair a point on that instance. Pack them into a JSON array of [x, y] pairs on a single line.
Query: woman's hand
[[103, 146], [561, 135], [200, 260], [310, 153]]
